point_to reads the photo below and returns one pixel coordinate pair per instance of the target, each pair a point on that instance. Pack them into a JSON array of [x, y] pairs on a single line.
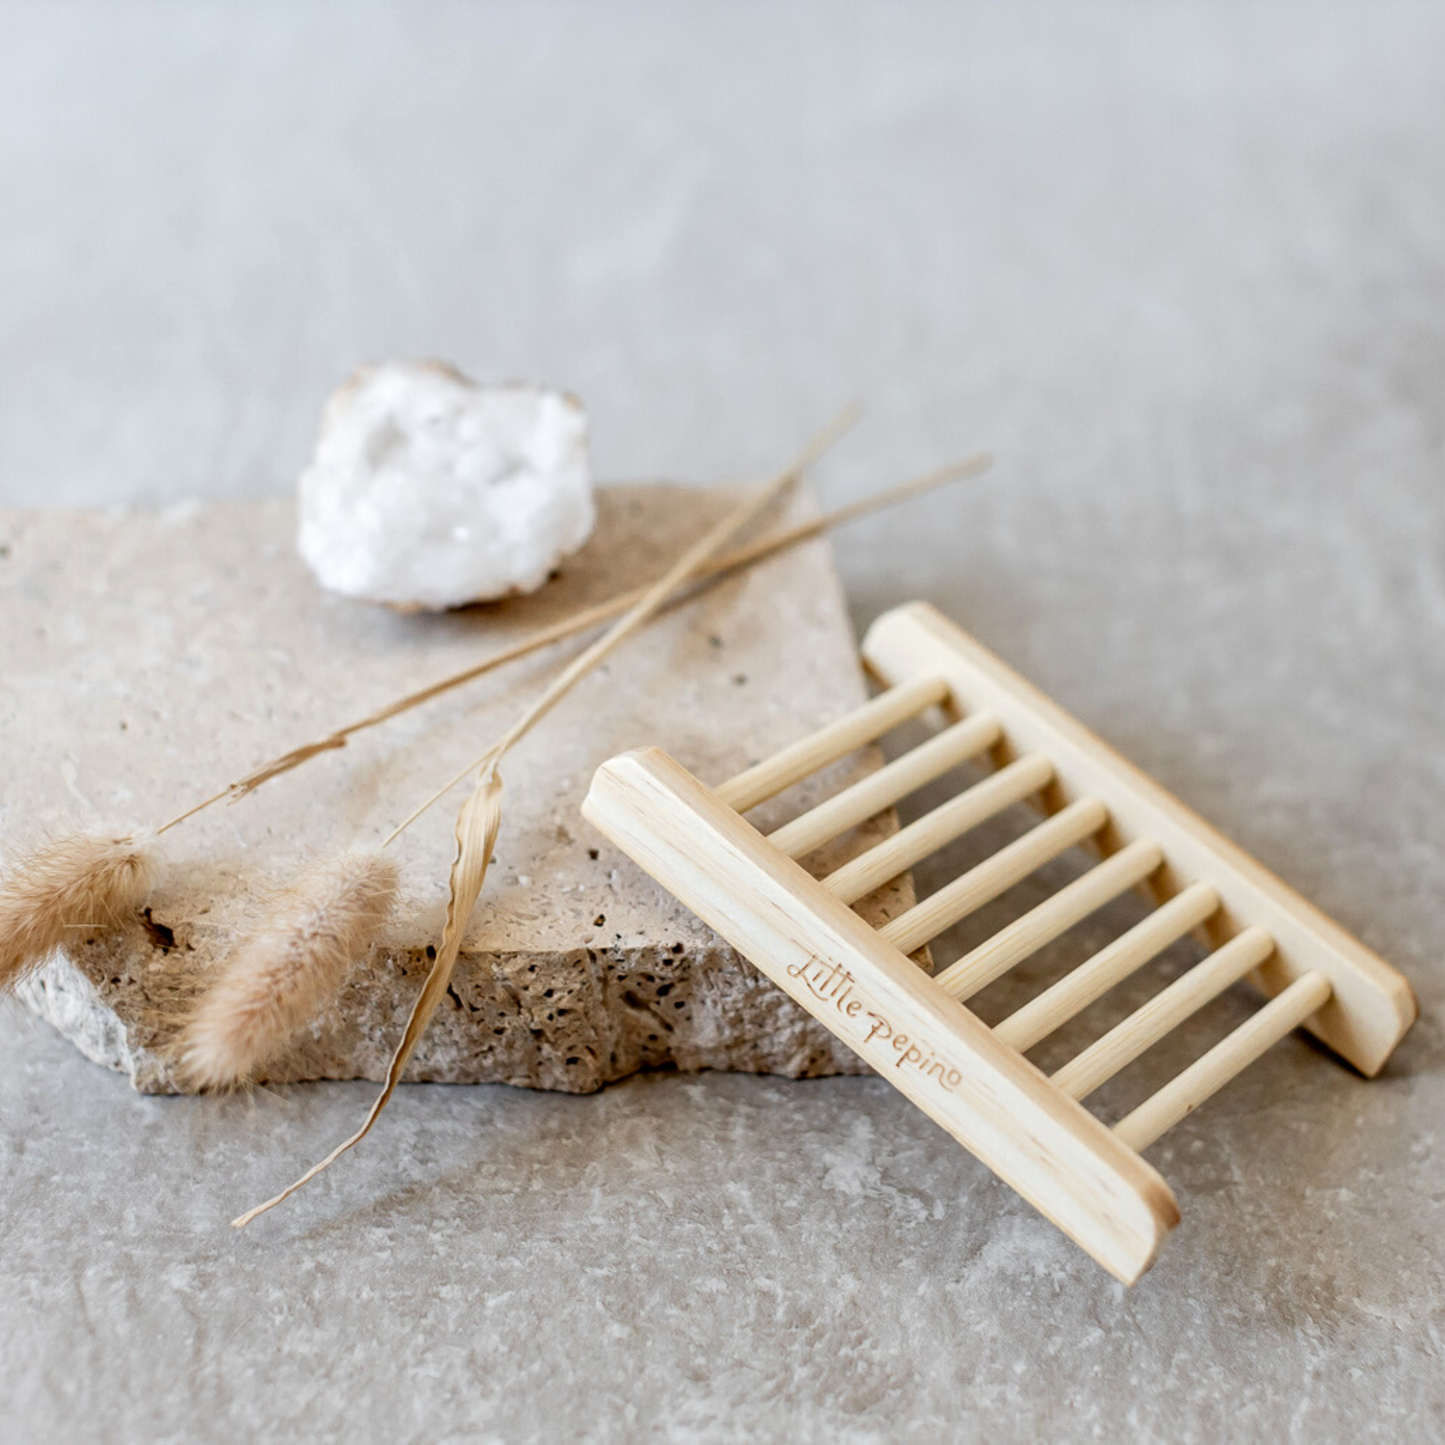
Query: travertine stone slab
[[145, 659]]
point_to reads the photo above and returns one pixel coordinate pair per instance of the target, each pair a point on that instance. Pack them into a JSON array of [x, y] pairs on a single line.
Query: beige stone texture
[[150, 658]]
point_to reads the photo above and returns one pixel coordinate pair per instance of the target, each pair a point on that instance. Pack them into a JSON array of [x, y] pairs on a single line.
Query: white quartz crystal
[[428, 490]]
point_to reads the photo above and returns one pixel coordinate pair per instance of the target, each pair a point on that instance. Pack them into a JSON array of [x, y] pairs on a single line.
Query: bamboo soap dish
[[917, 1031]]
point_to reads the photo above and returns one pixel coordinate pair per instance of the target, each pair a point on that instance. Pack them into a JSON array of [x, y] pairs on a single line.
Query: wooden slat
[[936, 829], [1093, 978], [871, 795], [1054, 916], [1056, 1154], [1163, 1013], [816, 751], [995, 875], [1228, 1058], [1371, 1005]]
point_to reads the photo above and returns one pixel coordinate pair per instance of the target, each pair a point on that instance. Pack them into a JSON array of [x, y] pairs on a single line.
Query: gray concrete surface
[[1182, 268]]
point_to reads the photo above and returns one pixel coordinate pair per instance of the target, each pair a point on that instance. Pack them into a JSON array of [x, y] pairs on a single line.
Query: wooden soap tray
[[1028, 1127]]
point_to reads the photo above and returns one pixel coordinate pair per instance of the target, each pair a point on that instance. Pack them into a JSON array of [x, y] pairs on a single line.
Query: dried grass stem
[[587, 618], [480, 817]]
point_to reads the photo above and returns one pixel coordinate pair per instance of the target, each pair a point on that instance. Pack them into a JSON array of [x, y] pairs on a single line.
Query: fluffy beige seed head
[[65, 888], [288, 970]]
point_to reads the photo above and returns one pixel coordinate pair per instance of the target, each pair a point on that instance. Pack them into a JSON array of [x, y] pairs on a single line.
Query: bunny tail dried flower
[[281, 977], [71, 885]]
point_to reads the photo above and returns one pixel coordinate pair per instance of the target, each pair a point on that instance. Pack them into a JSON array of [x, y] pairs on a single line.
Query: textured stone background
[[1182, 268], [580, 969]]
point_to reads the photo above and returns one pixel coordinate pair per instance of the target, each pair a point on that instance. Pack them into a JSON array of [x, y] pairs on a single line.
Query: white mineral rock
[[428, 490]]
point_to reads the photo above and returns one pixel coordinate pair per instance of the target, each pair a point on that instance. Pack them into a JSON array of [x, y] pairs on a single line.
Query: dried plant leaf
[[288, 969], [476, 834], [73, 884]]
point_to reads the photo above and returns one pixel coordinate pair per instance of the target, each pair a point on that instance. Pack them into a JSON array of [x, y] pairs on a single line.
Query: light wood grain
[[1010, 865], [1371, 1005], [1058, 913], [870, 795], [892, 1014], [1163, 1013], [1093, 978], [915, 1030], [936, 829], [818, 750], [1224, 1061]]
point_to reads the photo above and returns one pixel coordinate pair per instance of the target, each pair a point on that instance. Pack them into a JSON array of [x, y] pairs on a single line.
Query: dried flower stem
[[286, 971], [594, 616], [480, 817]]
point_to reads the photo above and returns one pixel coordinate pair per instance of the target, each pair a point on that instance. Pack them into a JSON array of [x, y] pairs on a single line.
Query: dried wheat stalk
[[480, 818], [73, 883]]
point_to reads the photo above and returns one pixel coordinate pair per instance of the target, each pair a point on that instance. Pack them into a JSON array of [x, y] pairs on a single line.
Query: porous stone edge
[[571, 1021]]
